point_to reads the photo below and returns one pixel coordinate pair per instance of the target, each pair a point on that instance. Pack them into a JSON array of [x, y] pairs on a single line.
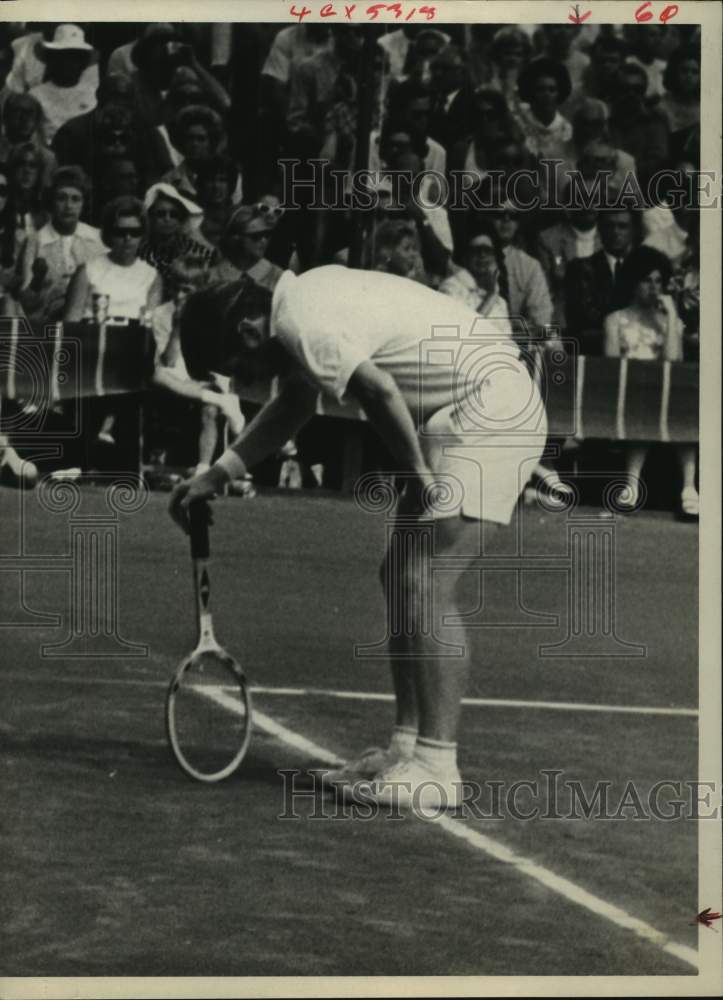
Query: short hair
[[209, 324], [687, 53], [196, 114], [119, 208], [544, 67], [69, 176], [639, 263]]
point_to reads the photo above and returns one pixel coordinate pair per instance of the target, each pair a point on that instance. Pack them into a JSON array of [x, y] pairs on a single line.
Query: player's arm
[[272, 427], [384, 406]]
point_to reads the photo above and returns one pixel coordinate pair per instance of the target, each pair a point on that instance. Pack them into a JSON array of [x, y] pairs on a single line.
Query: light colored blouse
[[630, 334], [126, 287]]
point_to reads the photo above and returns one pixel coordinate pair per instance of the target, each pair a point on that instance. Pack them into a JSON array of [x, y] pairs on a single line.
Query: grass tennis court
[[115, 863]]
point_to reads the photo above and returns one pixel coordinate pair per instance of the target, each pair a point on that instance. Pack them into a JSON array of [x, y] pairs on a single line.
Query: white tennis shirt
[[438, 351]]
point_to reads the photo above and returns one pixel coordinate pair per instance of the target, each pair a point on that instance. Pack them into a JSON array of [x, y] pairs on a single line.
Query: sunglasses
[[275, 211], [134, 232]]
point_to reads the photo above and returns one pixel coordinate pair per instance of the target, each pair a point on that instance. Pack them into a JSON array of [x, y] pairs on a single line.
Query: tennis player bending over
[[454, 404]]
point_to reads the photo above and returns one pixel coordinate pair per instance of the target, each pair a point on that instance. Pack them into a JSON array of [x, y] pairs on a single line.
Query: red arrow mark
[[577, 17], [706, 917]]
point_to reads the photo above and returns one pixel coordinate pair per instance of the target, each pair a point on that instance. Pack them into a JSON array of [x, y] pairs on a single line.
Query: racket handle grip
[[199, 514]]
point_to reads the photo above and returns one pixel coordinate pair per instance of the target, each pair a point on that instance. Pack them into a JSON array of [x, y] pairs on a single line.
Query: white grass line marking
[[292, 692], [524, 866], [564, 706], [569, 890], [272, 727]]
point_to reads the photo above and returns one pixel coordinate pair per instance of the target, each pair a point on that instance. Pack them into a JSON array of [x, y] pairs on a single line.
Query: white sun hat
[[163, 190], [68, 37]]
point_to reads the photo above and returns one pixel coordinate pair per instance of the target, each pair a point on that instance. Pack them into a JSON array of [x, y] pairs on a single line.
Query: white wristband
[[232, 464]]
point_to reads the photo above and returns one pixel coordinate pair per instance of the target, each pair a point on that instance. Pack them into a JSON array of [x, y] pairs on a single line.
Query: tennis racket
[[208, 708]]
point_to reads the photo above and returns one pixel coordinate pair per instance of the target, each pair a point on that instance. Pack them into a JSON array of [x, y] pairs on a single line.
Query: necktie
[[616, 272]]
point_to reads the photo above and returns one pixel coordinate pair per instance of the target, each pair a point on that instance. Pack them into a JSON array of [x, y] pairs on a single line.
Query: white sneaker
[[361, 768], [409, 784]]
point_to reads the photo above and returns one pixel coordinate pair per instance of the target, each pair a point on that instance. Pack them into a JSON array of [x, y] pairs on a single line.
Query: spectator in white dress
[[130, 284], [648, 328]]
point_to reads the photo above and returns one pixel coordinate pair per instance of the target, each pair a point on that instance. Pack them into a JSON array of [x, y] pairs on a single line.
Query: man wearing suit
[[557, 246], [592, 286]]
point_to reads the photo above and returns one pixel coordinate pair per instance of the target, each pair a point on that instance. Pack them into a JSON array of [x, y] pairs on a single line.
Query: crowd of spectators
[[141, 162]]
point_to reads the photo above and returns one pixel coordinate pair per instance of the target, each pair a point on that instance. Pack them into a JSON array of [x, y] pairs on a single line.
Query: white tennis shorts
[[485, 446]]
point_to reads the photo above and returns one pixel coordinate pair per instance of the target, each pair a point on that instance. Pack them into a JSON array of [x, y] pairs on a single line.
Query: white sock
[[403, 741], [437, 756]]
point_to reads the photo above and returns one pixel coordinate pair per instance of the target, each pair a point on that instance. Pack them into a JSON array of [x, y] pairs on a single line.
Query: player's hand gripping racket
[[208, 709]]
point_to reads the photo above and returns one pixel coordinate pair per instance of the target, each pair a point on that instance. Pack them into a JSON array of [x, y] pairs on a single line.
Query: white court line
[[524, 866], [565, 706], [291, 692]]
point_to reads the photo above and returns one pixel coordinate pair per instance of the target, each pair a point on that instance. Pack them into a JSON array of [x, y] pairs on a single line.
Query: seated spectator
[[169, 235], [646, 49], [130, 286], [52, 255], [185, 277], [593, 284], [129, 283], [410, 107], [184, 90], [648, 328], [487, 122], [543, 86], [637, 126], [528, 295], [482, 282], [511, 51], [73, 143], [589, 133], [600, 79], [64, 92], [216, 182], [421, 207], [681, 101], [26, 187], [393, 247], [556, 42], [197, 132], [574, 238], [12, 238], [599, 158], [243, 247], [22, 116]]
